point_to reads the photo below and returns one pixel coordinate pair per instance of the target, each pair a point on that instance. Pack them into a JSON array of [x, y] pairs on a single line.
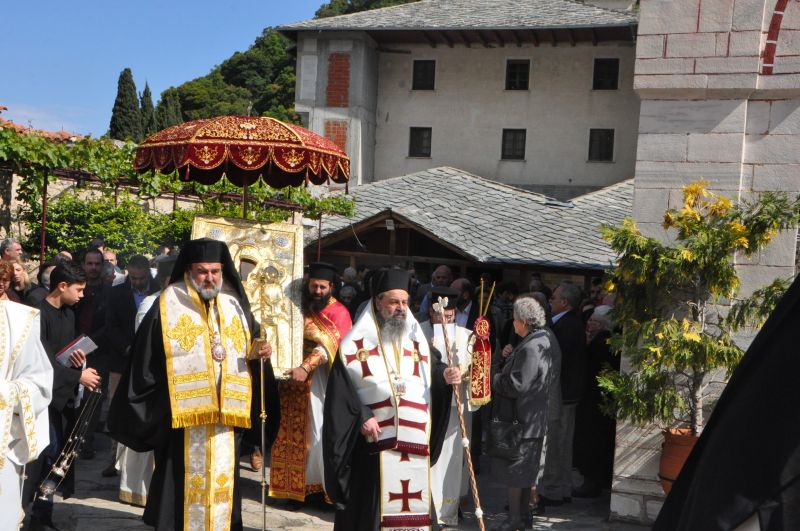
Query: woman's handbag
[[505, 437]]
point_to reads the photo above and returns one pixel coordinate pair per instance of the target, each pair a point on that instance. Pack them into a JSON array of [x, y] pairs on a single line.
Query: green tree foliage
[[210, 96], [168, 110], [127, 226], [344, 7], [669, 297], [126, 118], [149, 125], [35, 159]]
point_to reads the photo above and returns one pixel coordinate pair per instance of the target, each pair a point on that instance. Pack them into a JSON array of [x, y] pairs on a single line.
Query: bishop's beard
[[393, 329], [208, 290]]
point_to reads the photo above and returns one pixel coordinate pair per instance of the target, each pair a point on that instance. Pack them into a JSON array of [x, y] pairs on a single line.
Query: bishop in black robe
[[140, 415]]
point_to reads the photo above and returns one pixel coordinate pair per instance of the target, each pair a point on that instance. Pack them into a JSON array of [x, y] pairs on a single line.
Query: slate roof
[[473, 15], [495, 223]]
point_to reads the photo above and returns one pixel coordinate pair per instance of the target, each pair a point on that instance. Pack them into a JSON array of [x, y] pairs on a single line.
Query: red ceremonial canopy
[[244, 148]]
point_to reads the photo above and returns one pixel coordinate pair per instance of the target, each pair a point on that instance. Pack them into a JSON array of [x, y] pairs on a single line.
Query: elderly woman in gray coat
[[521, 391]]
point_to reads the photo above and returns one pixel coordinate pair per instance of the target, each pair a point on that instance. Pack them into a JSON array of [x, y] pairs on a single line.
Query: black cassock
[[352, 473], [747, 459], [140, 418]]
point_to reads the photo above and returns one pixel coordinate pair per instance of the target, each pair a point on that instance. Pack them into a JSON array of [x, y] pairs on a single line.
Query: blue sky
[[61, 60]]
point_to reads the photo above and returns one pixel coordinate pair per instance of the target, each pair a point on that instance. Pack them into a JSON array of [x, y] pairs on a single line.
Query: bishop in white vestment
[[384, 416], [25, 391]]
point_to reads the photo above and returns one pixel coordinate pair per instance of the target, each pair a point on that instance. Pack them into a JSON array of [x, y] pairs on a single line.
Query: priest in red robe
[[296, 468]]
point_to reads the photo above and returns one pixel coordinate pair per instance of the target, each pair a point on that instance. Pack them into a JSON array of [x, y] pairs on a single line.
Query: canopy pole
[[43, 232], [244, 201]]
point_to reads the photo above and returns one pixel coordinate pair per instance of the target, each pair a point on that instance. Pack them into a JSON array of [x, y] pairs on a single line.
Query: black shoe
[[587, 492], [109, 472], [293, 505], [544, 501], [537, 509], [37, 524]]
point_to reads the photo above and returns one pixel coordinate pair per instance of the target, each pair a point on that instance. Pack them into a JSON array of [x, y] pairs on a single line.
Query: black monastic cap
[[390, 279], [443, 291], [204, 250], [322, 271]]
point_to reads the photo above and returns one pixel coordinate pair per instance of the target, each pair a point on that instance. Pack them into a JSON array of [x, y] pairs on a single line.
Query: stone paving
[[95, 506]]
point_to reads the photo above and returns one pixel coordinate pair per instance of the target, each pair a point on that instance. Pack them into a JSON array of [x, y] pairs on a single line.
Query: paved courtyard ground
[[95, 507]]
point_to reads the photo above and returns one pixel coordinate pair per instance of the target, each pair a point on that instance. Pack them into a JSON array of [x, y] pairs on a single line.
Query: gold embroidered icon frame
[[269, 258]]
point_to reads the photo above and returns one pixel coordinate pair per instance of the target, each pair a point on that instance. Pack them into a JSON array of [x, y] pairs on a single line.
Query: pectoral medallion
[[217, 350]]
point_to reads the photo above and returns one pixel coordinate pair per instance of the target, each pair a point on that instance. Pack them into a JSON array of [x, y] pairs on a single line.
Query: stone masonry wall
[[719, 82]]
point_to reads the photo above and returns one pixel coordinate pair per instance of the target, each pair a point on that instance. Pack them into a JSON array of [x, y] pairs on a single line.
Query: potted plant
[[677, 309]]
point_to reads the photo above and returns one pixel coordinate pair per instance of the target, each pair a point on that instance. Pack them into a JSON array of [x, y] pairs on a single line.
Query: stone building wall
[[719, 82]]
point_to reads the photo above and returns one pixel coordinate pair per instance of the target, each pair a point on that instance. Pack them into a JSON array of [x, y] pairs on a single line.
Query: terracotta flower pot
[[678, 444]]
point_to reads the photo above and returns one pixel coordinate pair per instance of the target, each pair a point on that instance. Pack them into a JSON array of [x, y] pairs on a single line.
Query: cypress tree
[[126, 118], [149, 125]]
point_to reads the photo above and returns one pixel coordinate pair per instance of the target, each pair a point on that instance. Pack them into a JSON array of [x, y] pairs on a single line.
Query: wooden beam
[[482, 39], [534, 38], [421, 259], [516, 38], [594, 37], [447, 39], [499, 38], [553, 38], [571, 37], [430, 39], [464, 38]]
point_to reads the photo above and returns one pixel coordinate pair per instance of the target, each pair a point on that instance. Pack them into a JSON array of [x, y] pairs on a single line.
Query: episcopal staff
[[188, 394], [448, 484], [386, 412], [296, 468]]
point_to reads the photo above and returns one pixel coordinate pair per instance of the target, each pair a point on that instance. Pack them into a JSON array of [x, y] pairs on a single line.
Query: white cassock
[[136, 468], [449, 477], [26, 388]]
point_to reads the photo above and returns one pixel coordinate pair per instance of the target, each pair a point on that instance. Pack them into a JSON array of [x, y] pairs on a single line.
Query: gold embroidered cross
[[235, 333], [185, 332]]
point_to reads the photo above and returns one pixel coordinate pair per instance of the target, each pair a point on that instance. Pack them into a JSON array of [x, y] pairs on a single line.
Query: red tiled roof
[[57, 136]]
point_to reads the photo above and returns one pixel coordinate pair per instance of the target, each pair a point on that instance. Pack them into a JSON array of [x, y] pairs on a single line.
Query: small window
[[517, 74], [601, 145], [419, 142], [606, 74], [513, 144], [424, 75]]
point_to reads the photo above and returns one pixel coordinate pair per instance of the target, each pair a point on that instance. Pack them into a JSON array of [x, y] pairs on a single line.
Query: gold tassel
[[235, 420], [185, 420]]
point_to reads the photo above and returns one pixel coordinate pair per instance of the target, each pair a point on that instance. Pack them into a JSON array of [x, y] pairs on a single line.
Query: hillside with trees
[[257, 82]]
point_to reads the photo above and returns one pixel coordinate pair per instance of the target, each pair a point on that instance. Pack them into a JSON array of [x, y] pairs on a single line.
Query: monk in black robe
[[352, 463], [747, 460], [140, 414]]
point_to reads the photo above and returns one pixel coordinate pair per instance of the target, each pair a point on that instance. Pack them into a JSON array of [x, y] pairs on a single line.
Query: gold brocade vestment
[[296, 468], [208, 399]]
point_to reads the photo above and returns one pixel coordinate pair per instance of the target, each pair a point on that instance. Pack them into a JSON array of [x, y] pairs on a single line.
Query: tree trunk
[[697, 403]]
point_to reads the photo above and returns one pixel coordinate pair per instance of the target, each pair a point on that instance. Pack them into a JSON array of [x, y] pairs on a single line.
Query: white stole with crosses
[[394, 382]]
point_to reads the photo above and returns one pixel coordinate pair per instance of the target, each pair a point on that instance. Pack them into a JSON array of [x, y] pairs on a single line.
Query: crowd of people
[[359, 426]]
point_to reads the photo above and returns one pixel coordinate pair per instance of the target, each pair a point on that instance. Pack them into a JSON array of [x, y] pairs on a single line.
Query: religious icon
[[269, 258]]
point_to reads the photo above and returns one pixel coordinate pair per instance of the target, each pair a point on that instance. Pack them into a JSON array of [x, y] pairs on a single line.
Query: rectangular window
[[517, 74], [601, 145], [606, 74], [424, 75], [419, 142], [513, 144]]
